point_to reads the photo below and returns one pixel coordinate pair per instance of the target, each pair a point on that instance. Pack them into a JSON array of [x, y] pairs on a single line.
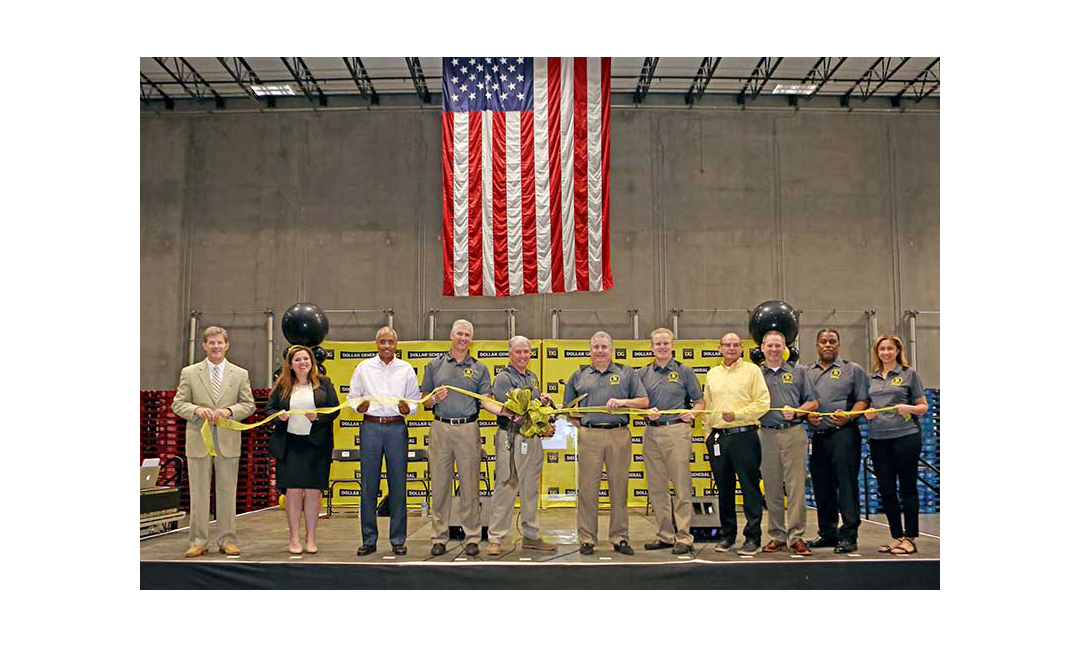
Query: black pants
[[378, 440], [898, 459], [834, 474], [740, 455]]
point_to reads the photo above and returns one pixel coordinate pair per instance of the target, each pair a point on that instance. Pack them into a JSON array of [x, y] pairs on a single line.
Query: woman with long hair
[[302, 444], [896, 440]]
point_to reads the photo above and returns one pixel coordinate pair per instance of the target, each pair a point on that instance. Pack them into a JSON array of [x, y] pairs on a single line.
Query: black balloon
[[305, 324], [793, 354], [320, 355], [774, 315], [757, 356]]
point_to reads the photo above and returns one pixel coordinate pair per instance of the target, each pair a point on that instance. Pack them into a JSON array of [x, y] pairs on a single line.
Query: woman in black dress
[[302, 444]]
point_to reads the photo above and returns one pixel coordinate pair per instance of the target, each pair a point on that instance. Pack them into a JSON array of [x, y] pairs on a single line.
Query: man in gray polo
[[670, 385], [604, 440], [526, 453], [836, 444], [455, 436], [783, 446]]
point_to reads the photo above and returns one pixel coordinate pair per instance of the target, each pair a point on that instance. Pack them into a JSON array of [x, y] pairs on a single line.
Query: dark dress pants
[[834, 472], [740, 455], [898, 459], [378, 440]]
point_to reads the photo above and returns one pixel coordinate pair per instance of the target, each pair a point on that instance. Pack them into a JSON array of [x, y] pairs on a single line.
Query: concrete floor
[[263, 536]]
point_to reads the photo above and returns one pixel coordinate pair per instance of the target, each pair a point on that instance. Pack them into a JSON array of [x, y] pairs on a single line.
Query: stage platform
[[266, 564]]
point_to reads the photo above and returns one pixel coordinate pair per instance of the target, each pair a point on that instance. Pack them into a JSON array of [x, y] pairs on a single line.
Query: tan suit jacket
[[194, 392]]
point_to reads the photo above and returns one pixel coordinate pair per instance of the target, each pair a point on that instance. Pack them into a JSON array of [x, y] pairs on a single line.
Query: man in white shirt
[[383, 432]]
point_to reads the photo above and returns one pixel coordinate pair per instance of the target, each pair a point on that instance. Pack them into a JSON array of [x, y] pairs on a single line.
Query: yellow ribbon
[[534, 410]]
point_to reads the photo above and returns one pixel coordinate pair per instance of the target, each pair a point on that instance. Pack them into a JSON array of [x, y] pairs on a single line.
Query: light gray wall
[[711, 209]]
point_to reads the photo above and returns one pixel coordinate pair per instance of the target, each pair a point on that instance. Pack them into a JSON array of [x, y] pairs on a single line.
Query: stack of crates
[[161, 435], [255, 483]]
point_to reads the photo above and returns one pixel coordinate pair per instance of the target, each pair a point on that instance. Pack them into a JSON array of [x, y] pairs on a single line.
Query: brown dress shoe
[[493, 549], [537, 544], [229, 549], [800, 547], [774, 546], [196, 550]]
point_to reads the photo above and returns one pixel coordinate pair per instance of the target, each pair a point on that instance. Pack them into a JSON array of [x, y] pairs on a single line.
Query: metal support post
[[675, 312], [191, 336], [555, 323], [389, 312], [511, 322], [269, 347], [912, 354], [431, 324], [871, 334], [634, 322]]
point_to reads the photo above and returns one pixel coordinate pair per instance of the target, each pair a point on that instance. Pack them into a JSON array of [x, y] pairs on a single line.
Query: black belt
[[735, 430], [781, 427], [658, 423], [845, 426], [604, 426], [383, 419], [457, 421]]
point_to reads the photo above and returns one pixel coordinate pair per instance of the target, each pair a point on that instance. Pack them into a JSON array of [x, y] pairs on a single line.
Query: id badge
[[524, 448], [810, 446], [716, 449]]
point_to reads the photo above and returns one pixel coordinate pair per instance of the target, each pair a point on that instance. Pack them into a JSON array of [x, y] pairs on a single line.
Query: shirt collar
[[210, 365], [467, 361], [783, 367], [514, 369], [835, 363], [610, 368], [670, 366], [734, 365]]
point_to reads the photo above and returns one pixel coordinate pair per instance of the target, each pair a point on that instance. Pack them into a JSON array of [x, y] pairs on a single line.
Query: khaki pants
[[447, 444], [200, 470], [598, 448], [783, 468], [667, 459], [529, 466]]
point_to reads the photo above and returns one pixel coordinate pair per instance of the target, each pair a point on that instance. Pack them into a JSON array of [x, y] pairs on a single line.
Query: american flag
[[525, 175]]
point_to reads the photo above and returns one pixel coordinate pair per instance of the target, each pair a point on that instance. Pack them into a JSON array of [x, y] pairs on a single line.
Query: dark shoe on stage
[[438, 549], [586, 548], [818, 543], [799, 547], [624, 548], [774, 546], [680, 548], [749, 548], [400, 550], [658, 544], [364, 550], [472, 549], [845, 546], [724, 545], [538, 544]]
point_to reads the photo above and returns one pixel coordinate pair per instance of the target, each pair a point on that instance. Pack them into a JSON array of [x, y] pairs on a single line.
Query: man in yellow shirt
[[738, 390]]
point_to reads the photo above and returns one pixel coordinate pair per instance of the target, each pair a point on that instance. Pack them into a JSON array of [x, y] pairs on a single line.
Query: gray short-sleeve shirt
[[617, 381], [673, 386], [789, 386], [468, 374], [511, 378], [902, 385], [837, 387]]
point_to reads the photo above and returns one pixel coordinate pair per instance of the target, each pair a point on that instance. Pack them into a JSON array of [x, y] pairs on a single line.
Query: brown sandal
[[907, 546], [892, 545]]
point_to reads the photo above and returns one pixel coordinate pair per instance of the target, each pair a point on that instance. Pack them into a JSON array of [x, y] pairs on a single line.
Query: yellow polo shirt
[[740, 386]]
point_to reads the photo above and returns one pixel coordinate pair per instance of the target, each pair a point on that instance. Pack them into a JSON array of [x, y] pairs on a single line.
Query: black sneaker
[[681, 548], [400, 550], [624, 548], [472, 549], [438, 549], [749, 548], [364, 550], [658, 544], [845, 546], [724, 545], [818, 543], [586, 548]]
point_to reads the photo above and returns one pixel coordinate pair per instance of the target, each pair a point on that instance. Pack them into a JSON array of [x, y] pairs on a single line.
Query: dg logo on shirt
[[899, 380], [614, 379], [788, 379], [835, 373], [467, 372], [673, 376]]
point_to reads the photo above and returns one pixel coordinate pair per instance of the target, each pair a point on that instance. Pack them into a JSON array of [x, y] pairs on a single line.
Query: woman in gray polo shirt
[[896, 440]]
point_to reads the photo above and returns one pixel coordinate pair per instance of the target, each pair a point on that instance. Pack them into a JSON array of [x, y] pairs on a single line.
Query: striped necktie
[[215, 382]]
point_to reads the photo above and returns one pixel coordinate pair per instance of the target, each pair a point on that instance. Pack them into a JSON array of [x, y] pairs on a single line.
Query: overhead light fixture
[[274, 90], [795, 89]]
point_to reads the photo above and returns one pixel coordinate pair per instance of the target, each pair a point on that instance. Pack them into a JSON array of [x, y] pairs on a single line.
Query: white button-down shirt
[[373, 377]]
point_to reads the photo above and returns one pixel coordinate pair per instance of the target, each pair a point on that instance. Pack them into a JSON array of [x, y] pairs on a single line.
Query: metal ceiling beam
[[245, 77], [924, 79], [418, 79], [360, 77], [303, 77], [701, 79], [819, 75], [183, 73], [648, 69], [145, 95], [758, 78], [871, 75]]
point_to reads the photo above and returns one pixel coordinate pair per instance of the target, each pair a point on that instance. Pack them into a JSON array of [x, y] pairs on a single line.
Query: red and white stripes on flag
[[525, 192]]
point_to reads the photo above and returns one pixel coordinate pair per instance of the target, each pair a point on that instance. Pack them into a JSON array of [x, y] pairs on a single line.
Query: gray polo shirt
[[617, 381], [673, 386], [789, 386], [468, 374], [511, 378], [902, 385], [837, 387]]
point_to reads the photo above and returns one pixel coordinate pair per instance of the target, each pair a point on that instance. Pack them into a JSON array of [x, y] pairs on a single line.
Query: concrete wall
[[834, 212]]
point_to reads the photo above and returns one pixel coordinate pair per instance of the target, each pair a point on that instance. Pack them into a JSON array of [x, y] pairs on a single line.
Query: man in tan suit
[[209, 390]]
